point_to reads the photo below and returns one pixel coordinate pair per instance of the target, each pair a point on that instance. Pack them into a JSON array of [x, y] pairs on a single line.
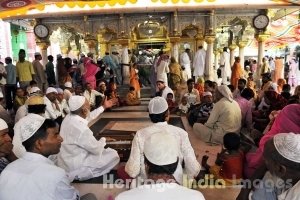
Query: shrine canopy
[[14, 9]]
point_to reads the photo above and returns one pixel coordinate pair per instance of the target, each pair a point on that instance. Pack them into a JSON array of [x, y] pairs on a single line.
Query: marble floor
[[133, 118]]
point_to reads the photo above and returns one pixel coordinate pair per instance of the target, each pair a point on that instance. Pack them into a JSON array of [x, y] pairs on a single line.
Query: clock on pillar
[[41, 31], [260, 22]]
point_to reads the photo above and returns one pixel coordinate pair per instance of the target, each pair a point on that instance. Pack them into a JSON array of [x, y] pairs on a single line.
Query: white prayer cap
[[3, 125], [288, 145], [160, 80], [157, 105], [273, 86], [207, 94], [50, 90], [68, 84], [76, 101], [30, 125], [34, 90], [225, 91], [37, 54], [161, 148], [59, 91], [1, 95]]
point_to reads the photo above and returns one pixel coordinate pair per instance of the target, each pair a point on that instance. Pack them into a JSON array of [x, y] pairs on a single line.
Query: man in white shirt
[[68, 90], [225, 66], [191, 93], [282, 181], [185, 62], [199, 63], [90, 95], [159, 115], [161, 155], [52, 108], [163, 89], [62, 103], [34, 176], [81, 155]]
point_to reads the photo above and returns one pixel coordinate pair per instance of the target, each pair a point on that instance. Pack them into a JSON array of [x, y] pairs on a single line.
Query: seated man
[[34, 176], [281, 155], [191, 93], [225, 117], [163, 89], [201, 112], [90, 94], [81, 155], [131, 98], [6, 153], [161, 155], [159, 115], [52, 106]]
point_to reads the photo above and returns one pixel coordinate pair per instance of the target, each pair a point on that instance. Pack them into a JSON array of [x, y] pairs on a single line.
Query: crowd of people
[[46, 142]]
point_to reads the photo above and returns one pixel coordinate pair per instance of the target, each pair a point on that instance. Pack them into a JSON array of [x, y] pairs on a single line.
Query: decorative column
[[232, 48], [216, 63], [103, 45], [65, 51], [242, 45], [43, 45], [261, 38], [209, 70], [174, 40], [125, 60], [199, 40]]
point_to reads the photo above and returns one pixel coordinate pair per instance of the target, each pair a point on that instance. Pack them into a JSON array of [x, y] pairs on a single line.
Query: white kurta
[[51, 112], [199, 63], [81, 155], [185, 61], [164, 191], [91, 96], [162, 70], [35, 177], [135, 165], [226, 70], [166, 91]]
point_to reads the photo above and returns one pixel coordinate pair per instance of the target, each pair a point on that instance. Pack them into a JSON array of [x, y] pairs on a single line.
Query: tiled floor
[[132, 118]]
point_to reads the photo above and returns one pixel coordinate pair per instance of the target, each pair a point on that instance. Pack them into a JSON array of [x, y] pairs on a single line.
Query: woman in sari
[[90, 70], [134, 80], [175, 73], [237, 72]]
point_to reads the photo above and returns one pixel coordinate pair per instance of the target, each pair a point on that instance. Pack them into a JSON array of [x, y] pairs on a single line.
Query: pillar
[[199, 40], [261, 39], [241, 46], [232, 48], [209, 70], [174, 40], [216, 63], [43, 45], [125, 61]]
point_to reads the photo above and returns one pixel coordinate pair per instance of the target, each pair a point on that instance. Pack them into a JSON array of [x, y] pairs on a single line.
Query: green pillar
[[18, 41]]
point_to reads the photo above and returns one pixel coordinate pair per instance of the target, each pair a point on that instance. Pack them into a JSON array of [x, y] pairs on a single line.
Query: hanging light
[[149, 28]]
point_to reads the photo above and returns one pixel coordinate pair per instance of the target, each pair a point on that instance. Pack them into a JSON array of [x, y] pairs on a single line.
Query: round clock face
[[261, 21], [41, 31]]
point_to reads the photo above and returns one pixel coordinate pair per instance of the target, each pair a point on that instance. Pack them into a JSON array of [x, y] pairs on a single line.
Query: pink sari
[[90, 71], [287, 121]]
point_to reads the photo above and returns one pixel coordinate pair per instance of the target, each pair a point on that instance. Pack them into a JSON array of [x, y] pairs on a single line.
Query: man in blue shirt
[[11, 81]]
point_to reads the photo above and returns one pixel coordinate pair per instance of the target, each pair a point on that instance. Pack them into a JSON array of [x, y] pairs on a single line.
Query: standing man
[[11, 83], [40, 75], [25, 71], [50, 71], [116, 59], [185, 62], [199, 63], [225, 66]]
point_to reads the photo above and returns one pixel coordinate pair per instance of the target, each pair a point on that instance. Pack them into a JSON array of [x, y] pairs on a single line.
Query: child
[[19, 99], [184, 106], [31, 85], [200, 86], [131, 98], [171, 104], [229, 162]]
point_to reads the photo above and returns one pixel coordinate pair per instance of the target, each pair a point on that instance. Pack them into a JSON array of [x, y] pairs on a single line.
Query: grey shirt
[[11, 74]]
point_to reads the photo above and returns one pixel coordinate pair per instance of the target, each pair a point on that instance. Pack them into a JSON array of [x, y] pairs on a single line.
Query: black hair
[[41, 133], [8, 59], [33, 82], [36, 109], [161, 117], [247, 93], [242, 81], [22, 51], [190, 81], [50, 57], [231, 141], [294, 99], [231, 87], [170, 94], [286, 88], [161, 169], [209, 83], [250, 74], [131, 88]]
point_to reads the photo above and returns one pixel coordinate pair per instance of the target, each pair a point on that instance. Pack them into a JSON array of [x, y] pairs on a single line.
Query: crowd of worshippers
[[258, 128]]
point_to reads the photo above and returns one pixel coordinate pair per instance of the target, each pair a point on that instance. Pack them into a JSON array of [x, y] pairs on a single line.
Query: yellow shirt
[[24, 71]]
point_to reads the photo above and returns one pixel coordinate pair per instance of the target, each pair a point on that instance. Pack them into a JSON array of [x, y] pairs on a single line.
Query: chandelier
[[191, 31], [149, 28]]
